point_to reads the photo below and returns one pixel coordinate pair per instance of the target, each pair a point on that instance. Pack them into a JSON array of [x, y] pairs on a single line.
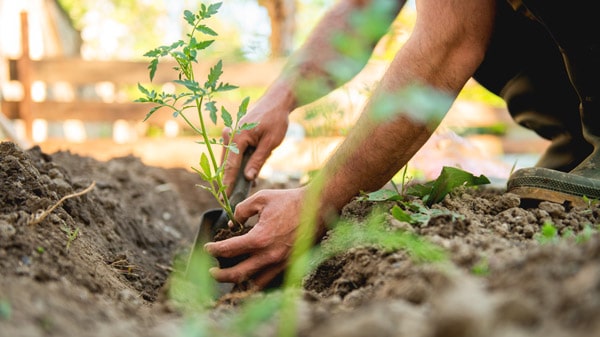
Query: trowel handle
[[241, 185]]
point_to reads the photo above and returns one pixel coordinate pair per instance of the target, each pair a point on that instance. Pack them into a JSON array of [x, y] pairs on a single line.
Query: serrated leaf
[[212, 9], [243, 108], [152, 111], [226, 87], [214, 75], [226, 116], [202, 44], [247, 126], [190, 99], [143, 90], [189, 17], [174, 46], [190, 85], [212, 111], [152, 67], [180, 57], [206, 30]]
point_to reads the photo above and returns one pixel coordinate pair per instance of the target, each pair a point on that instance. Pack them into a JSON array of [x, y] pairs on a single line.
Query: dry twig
[[40, 215]]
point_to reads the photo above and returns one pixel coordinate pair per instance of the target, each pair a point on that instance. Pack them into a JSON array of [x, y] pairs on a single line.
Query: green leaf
[[548, 233], [173, 46], [152, 111], [399, 214], [143, 90], [243, 108], [247, 126], [449, 179], [190, 99], [225, 87], [233, 148], [214, 75], [226, 116], [212, 9], [189, 84], [152, 67], [206, 30], [156, 52], [383, 195], [202, 44], [203, 177], [205, 165], [189, 17], [212, 111], [420, 190]]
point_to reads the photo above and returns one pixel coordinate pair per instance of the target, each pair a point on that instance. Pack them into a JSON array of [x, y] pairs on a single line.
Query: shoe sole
[[555, 186]]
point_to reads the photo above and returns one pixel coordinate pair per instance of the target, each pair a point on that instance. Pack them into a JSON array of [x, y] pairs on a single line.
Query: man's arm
[[322, 64], [447, 45]]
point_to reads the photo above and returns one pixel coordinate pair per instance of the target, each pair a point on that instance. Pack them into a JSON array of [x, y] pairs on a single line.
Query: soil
[[99, 264]]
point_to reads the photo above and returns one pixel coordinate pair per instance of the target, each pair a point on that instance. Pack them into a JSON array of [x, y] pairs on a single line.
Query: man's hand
[[268, 244], [271, 116]]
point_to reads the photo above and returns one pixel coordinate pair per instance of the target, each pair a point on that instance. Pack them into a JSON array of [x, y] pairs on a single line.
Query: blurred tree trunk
[[282, 14]]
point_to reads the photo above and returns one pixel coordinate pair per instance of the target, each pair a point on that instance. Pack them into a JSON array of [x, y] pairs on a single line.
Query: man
[[541, 56]]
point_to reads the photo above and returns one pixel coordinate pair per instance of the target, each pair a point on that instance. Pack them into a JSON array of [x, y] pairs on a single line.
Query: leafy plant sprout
[[199, 98]]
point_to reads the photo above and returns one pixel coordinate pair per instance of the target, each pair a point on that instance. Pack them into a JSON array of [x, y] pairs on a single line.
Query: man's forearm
[[438, 59], [337, 49]]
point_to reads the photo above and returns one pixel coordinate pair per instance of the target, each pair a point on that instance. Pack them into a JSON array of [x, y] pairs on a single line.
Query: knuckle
[[272, 256], [262, 240]]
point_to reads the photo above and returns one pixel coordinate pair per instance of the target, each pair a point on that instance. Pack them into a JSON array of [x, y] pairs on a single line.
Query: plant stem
[[221, 196]]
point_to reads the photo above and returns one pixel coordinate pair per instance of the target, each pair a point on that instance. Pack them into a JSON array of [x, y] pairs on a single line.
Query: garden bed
[[100, 263]]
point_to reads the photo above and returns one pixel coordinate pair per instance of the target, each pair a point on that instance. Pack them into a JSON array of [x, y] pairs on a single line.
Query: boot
[[539, 183], [580, 46]]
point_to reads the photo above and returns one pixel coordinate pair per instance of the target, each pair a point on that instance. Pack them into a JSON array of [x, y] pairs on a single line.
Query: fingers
[[235, 246], [264, 279], [257, 160], [262, 268]]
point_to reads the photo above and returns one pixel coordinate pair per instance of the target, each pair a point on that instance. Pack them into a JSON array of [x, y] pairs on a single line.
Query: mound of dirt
[[97, 265]]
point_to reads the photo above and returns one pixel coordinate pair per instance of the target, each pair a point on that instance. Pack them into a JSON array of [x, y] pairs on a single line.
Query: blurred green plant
[[481, 268], [5, 309]]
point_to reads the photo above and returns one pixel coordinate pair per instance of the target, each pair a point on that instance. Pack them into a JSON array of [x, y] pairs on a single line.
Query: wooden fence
[[79, 73]]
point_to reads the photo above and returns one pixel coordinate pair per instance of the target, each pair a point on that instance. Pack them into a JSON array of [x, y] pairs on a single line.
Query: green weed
[[72, 234], [548, 233], [481, 268], [433, 191], [375, 232]]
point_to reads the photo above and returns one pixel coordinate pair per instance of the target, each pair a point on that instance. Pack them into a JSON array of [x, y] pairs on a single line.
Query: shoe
[[538, 183]]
